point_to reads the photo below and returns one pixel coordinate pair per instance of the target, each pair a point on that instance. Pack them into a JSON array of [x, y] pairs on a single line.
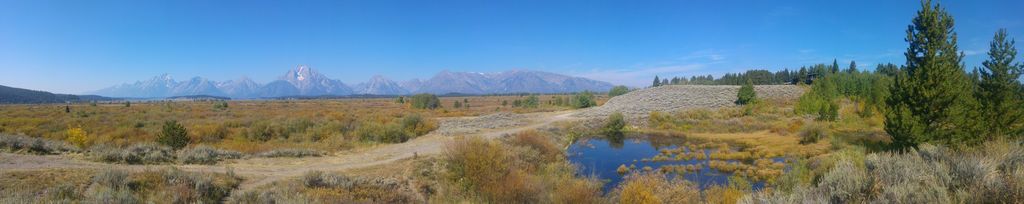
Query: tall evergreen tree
[[835, 66], [931, 99], [657, 82], [853, 67], [746, 93], [998, 89], [801, 76]]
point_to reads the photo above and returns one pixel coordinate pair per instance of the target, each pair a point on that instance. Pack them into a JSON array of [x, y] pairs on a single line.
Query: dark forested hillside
[[10, 95]]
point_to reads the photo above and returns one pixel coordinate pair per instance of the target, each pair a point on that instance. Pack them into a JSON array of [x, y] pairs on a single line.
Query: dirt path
[[261, 171]]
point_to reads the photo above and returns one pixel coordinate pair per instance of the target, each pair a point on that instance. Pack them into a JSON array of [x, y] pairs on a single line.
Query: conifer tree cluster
[[934, 99]]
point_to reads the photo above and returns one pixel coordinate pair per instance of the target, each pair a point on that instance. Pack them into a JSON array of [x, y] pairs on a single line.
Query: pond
[[602, 157]]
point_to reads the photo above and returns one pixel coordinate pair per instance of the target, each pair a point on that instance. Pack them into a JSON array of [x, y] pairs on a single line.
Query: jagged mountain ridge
[[305, 81], [378, 85]]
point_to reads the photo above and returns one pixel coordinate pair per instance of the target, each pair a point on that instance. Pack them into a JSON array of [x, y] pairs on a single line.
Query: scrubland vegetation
[[321, 187], [990, 173], [14, 143], [248, 127], [116, 186], [528, 167], [925, 132]]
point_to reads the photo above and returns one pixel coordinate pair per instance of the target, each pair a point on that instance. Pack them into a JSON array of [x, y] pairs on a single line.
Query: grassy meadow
[[244, 126]]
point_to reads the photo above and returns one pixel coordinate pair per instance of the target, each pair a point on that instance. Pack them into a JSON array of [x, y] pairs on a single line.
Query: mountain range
[[305, 81]]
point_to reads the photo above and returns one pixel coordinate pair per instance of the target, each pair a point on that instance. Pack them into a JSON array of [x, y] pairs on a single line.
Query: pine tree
[[930, 98], [801, 76], [746, 95], [657, 82], [853, 67], [835, 66], [998, 89], [173, 135]]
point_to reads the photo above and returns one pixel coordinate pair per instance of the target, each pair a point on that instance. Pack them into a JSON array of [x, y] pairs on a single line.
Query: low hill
[[11, 95], [681, 97]]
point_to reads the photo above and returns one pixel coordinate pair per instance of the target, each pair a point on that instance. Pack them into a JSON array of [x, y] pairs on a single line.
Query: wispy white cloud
[[974, 52]]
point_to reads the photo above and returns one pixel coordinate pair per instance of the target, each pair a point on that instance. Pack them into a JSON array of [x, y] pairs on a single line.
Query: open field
[[245, 126], [262, 171], [528, 148], [256, 172]]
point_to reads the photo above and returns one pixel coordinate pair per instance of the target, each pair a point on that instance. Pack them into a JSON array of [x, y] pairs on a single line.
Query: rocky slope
[[680, 97]]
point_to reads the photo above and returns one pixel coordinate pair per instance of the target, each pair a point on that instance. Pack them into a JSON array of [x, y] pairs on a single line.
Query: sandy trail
[[261, 171]]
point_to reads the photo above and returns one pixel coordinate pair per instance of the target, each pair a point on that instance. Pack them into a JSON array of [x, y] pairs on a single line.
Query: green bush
[[811, 133], [384, 133], [829, 111], [416, 125], [617, 91], [583, 100], [531, 101], [220, 105], [425, 101], [259, 131], [173, 135], [614, 125]]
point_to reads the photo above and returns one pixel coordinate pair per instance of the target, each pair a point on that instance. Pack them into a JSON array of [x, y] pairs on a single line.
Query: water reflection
[[602, 156]]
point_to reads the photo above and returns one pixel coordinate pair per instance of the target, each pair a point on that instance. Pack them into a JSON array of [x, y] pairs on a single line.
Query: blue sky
[[79, 46]]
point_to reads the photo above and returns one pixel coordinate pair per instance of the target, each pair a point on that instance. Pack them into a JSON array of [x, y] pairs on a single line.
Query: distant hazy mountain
[[159, 86], [196, 86], [305, 81], [10, 95], [240, 88], [278, 88], [378, 85], [515, 81]]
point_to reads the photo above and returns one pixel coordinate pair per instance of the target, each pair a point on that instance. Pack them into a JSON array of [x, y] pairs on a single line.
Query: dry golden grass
[[528, 167], [758, 144], [655, 188]]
